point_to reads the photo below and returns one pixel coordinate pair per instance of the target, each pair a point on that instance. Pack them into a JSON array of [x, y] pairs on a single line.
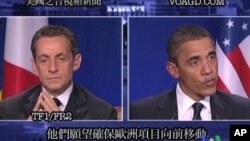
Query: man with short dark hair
[[55, 59], [193, 61]]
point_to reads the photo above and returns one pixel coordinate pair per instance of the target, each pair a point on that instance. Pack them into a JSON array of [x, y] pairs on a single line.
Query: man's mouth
[[53, 78], [210, 82]]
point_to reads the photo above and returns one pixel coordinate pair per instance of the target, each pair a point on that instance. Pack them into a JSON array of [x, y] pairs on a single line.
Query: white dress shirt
[[185, 109], [64, 97]]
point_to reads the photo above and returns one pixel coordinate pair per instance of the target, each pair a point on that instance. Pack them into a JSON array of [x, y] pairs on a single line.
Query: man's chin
[[54, 90], [209, 92]]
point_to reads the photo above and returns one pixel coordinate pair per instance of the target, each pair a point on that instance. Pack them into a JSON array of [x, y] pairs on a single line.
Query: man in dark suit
[[55, 59], [193, 61]]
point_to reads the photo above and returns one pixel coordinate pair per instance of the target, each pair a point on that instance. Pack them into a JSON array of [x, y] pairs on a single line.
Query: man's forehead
[[202, 42], [53, 41], [196, 47], [53, 37], [53, 50]]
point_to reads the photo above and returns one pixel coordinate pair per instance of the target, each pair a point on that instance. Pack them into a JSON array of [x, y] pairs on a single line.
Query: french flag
[[18, 73], [233, 51]]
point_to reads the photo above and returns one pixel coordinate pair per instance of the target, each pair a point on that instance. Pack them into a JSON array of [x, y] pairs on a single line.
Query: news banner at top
[[99, 2], [124, 7], [88, 3]]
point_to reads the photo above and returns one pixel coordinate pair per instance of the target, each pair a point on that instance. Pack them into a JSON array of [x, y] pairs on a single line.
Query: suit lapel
[[219, 108], [32, 99], [76, 104], [167, 108]]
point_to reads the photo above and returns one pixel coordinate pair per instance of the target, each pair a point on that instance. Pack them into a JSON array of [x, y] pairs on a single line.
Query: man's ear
[[34, 66], [172, 69], [77, 61]]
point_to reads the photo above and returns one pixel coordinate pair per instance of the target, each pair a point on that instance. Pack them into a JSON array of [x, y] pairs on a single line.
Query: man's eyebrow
[[61, 54], [198, 57], [43, 56], [193, 58], [212, 52], [47, 56]]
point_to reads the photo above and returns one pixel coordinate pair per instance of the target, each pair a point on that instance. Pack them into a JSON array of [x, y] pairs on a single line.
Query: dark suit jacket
[[164, 107], [82, 104]]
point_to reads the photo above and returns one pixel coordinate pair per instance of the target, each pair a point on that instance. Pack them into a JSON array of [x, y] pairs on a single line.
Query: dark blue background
[[2, 32]]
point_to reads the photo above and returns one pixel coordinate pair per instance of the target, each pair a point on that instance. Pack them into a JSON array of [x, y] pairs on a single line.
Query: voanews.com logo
[[216, 138]]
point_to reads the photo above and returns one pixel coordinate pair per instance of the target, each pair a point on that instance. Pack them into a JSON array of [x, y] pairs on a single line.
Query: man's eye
[[43, 60], [212, 57], [194, 62], [62, 59]]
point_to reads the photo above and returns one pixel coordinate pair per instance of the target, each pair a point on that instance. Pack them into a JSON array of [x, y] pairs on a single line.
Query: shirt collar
[[184, 102], [64, 97]]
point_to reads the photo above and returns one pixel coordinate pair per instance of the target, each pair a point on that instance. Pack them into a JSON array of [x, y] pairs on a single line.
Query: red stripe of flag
[[17, 79], [241, 67], [222, 86]]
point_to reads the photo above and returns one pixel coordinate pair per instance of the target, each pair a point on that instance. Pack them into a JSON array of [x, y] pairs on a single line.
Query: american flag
[[233, 51]]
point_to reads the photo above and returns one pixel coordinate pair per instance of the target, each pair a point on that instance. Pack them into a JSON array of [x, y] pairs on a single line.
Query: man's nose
[[206, 68], [53, 67]]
